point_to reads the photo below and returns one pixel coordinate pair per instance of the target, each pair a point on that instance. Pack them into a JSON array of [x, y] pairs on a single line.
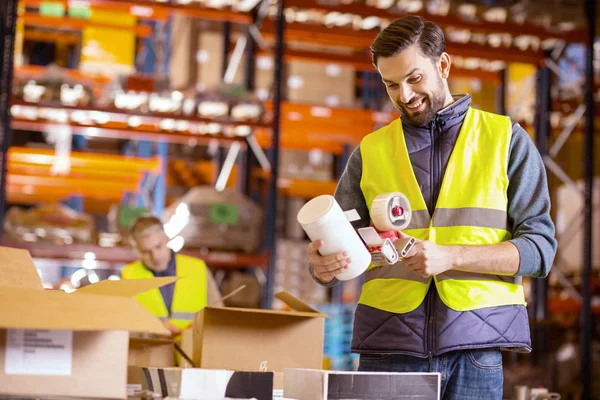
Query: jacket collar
[[449, 116]]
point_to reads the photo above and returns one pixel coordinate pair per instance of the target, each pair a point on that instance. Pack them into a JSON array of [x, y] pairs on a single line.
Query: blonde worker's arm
[[212, 291]]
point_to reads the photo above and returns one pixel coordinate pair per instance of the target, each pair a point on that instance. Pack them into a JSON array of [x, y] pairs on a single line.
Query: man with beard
[[477, 188]]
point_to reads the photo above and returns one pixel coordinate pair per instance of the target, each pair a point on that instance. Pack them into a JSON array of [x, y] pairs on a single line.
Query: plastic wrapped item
[[53, 86], [217, 220], [52, 223]]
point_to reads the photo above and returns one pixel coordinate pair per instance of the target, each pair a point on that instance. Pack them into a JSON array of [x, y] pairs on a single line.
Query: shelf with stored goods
[[112, 122], [158, 10]]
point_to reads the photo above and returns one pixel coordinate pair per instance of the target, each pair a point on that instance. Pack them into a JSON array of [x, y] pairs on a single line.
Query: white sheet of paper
[[38, 352], [204, 384], [352, 215]]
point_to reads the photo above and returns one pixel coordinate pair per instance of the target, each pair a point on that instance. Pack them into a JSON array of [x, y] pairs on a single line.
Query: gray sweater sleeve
[[529, 207], [349, 196]]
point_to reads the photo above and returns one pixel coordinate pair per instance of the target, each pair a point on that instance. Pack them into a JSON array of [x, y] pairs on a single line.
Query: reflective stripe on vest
[[189, 295], [471, 210], [183, 316]]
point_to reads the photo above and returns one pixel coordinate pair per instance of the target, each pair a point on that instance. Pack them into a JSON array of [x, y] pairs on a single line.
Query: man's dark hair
[[405, 32]]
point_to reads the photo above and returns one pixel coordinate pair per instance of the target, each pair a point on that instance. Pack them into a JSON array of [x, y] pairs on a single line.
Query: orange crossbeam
[[305, 189], [66, 186], [152, 10], [75, 172], [92, 161], [33, 19], [70, 38]]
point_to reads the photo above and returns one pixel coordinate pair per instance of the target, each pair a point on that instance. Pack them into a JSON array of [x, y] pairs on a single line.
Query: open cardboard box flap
[[109, 307], [17, 269], [300, 308]]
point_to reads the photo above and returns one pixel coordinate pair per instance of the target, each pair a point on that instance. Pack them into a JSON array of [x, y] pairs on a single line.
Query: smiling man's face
[[415, 84]]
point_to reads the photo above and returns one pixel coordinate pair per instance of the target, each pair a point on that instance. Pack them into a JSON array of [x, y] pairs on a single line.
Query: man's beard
[[432, 106]]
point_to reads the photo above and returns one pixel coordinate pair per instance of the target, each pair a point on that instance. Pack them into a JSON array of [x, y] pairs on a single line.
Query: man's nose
[[406, 94]]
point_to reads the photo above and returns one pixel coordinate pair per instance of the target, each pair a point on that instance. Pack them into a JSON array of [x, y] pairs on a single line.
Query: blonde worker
[[175, 304]]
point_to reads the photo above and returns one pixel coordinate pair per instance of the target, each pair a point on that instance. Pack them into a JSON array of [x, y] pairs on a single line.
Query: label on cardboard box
[[38, 352], [133, 389]]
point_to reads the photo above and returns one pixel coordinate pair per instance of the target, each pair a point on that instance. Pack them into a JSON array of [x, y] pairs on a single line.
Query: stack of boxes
[[292, 273], [338, 336]]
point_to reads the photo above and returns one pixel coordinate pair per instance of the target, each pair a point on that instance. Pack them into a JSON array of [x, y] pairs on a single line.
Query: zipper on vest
[[436, 164], [431, 204], [430, 316]]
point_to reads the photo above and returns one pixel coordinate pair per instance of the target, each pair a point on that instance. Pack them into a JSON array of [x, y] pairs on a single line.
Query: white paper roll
[[323, 219], [390, 212]]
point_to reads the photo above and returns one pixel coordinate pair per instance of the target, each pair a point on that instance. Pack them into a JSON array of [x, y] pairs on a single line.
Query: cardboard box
[[303, 384], [151, 352], [242, 339], [206, 384], [54, 344]]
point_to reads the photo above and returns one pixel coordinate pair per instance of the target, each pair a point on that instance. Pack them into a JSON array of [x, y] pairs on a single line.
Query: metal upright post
[[247, 160], [539, 303], [586, 305], [226, 44], [8, 22], [501, 92], [271, 214]]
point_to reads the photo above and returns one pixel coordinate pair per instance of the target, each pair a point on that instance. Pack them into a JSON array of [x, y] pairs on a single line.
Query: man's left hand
[[428, 259]]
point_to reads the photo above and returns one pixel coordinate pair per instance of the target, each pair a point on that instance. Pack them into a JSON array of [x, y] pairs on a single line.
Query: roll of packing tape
[[391, 212]]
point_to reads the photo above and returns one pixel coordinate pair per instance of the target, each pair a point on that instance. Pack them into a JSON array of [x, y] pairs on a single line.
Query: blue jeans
[[467, 374]]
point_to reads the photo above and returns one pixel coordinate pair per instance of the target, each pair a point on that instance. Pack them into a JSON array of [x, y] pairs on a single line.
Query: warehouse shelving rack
[[287, 133]]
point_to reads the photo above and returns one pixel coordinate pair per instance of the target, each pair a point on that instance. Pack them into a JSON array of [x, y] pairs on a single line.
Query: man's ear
[[444, 65]]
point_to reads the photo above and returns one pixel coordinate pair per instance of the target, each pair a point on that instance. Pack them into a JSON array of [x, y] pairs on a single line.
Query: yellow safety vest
[[471, 210], [189, 295]]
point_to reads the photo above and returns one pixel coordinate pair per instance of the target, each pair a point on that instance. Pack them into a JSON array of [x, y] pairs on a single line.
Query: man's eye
[[415, 79], [392, 85]]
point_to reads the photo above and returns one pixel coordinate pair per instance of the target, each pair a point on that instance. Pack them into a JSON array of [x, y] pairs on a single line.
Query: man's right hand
[[325, 268]]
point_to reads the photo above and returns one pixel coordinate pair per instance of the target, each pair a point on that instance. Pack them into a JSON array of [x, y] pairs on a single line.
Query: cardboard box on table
[[305, 384], [54, 344], [242, 339]]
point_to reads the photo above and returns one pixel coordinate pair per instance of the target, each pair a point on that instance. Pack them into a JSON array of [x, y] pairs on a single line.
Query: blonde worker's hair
[[143, 224]]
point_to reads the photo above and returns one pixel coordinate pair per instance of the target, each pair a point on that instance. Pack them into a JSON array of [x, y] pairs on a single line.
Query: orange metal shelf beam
[[92, 161], [152, 10], [443, 21], [362, 62], [32, 19], [123, 255], [70, 186], [36, 71], [362, 40], [70, 38], [305, 189], [299, 140], [75, 172]]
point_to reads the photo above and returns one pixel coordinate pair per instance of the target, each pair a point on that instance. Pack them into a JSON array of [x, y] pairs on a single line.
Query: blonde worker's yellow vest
[[189, 295], [471, 210]]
